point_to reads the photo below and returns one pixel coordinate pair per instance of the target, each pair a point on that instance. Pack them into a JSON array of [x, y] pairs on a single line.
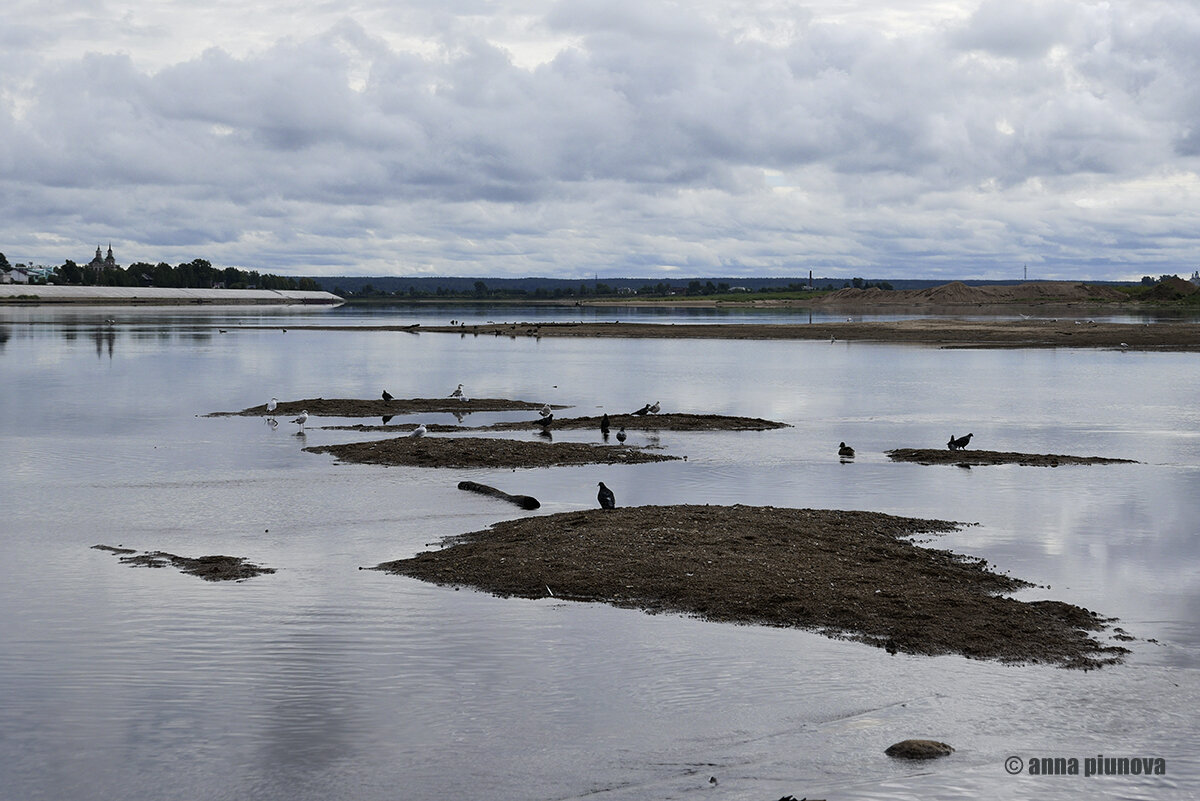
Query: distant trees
[[195, 274]]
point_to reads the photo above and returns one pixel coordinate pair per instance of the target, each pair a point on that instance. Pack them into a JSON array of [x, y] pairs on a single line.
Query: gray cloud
[[647, 135]]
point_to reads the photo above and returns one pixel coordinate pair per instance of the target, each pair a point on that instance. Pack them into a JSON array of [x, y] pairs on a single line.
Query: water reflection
[[326, 681]]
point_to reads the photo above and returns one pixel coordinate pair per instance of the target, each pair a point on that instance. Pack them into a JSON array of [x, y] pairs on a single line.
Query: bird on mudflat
[[654, 407], [621, 434], [644, 410], [387, 396], [545, 421], [419, 431], [545, 411], [272, 405], [606, 497], [458, 393], [845, 451], [604, 424], [960, 443], [302, 419]]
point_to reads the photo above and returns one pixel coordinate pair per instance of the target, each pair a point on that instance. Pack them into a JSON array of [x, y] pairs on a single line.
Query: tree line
[[195, 274]]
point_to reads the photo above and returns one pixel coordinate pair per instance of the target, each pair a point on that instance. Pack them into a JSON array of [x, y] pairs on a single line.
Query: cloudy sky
[[889, 138]]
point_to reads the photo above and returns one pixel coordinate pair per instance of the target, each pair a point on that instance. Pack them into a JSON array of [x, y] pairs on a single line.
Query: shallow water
[[322, 681]]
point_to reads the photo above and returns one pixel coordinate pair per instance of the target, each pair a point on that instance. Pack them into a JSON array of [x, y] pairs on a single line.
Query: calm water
[[326, 682]]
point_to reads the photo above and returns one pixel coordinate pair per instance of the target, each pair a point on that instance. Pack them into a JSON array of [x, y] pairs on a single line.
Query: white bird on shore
[[302, 419], [458, 393], [272, 404], [419, 431]]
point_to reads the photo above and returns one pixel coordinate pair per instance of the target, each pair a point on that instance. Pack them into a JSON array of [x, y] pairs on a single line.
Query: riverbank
[[158, 296]]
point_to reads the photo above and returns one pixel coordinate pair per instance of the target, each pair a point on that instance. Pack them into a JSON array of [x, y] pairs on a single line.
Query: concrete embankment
[[150, 296]]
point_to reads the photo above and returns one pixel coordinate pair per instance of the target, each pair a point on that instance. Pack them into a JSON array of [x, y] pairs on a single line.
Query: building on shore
[[100, 263]]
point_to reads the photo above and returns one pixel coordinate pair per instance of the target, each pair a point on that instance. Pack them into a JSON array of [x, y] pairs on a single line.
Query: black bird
[[606, 497], [387, 396], [644, 410], [845, 451], [621, 434], [958, 444], [604, 424]]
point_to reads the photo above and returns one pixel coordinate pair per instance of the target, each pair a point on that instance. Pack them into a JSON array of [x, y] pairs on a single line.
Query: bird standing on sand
[[387, 396], [644, 410], [606, 497], [604, 424], [419, 431], [458, 393], [302, 419], [621, 434], [960, 443], [272, 405], [845, 451]]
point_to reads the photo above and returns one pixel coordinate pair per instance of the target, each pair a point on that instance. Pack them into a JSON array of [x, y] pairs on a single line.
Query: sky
[[573, 138]]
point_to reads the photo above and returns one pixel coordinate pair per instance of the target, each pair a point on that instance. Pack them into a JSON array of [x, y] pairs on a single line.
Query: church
[[99, 263]]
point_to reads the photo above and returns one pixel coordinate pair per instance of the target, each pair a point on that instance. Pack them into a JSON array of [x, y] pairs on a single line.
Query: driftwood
[[524, 501]]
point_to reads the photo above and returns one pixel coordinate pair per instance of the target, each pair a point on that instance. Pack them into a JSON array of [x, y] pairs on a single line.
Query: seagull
[[604, 424], [845, 451], [272, 404], [302, 419], [644, 410], [606, 497], [387, 396], [654, 408], [621, 434], [957, 444], [418, 432], [458, 393], [545, 411]]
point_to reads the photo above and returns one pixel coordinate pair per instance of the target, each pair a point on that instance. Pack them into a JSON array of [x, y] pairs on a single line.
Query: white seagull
[[654, 408], [272, 404], [419, 431], [302, 419], [458, 393], [545, 411]]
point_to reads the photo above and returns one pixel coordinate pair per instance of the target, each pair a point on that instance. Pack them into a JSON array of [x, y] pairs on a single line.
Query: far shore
[[945, 332]]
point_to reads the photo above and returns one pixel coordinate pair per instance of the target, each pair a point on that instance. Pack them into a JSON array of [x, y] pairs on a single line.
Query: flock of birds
[[546, 416]]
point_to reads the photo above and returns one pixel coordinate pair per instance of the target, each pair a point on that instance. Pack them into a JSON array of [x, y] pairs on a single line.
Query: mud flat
[[932, 456], [359, 407], [631, 422], [845, 574], [209, 568], [484, 452]]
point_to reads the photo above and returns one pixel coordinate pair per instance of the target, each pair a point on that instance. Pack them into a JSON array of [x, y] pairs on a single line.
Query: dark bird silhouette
[[960, 443], [387, 396], [644, 410], [845, 451], [606, 497], [545, 422], [621, 434], [604, 424]]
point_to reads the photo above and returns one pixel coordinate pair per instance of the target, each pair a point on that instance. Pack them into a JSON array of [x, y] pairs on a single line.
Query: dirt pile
[[209, 568], [956, 293]]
